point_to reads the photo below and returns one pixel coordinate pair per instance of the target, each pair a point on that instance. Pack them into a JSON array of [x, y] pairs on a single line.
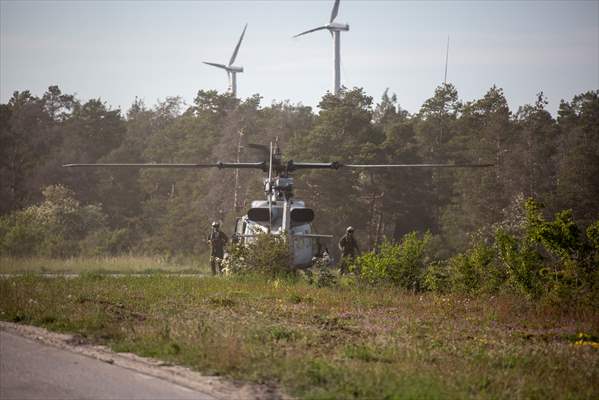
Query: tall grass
[[117, 264]]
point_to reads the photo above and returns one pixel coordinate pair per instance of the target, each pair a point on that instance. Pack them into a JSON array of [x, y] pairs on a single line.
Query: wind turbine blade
[[311, 30], [216, 65], [335, 10], [232, 60]]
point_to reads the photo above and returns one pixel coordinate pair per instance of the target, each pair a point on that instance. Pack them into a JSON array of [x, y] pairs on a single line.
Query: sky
[[120, 50]]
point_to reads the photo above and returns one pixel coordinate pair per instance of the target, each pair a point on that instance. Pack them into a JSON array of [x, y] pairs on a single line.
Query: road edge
[[183, 376]]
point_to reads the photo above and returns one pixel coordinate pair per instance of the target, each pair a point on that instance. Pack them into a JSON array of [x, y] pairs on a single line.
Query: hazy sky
[[153, 49]]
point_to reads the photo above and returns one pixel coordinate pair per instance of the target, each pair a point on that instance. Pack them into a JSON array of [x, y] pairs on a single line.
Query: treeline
[[50, 210]]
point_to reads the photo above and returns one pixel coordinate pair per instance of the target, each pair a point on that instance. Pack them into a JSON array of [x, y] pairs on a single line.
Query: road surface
[[32, 370]]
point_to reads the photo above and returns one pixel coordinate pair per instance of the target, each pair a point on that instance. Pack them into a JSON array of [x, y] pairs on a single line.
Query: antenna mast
[[446, 60], [236, 205]]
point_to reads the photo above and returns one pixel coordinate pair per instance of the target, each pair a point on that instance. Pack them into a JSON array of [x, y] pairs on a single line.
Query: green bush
[[476, 270], [106, 242], [52, 228], [436, 277], [265, 254], [550, 259], [402, 264], [593, 235]]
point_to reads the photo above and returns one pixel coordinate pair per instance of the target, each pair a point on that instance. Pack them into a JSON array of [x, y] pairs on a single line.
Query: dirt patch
[[211, 385]]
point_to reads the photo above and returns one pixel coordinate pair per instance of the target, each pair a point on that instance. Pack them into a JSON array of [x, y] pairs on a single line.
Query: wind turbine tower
[[231, 69], [335, 29]]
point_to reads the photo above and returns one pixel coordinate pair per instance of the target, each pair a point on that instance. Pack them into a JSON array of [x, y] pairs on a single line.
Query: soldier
[[349, 249], [217, 240]]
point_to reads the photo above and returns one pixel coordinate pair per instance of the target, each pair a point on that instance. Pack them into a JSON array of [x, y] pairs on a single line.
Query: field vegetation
[[122, 264], [350, 340]]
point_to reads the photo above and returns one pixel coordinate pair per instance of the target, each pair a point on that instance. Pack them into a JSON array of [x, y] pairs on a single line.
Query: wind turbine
[[335, 29], [231, 69]]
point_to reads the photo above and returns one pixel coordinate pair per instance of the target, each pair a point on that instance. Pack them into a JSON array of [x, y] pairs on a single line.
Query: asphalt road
[[31, 370]]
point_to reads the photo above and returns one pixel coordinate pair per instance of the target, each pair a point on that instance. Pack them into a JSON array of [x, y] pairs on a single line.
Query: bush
[[106, 242], [436, 277], [52, 228], [21, 234], [265, 254], [320, 274], [476, 270], [550, 259], [402, 264]]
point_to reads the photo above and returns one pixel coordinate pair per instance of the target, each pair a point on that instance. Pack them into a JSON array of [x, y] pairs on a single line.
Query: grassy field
[[321, 343], [120, 264]]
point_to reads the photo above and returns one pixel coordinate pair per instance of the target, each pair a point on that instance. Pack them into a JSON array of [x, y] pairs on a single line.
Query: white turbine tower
[[230, 68], [335, 29]]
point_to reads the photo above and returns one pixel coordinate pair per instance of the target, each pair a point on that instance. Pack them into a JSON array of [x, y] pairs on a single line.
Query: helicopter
[[280, 214]]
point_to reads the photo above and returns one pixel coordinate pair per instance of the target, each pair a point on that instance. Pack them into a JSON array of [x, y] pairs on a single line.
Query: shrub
[[475, 270], [52, 228], [402, 264], [320, 274], [593, 235], [21, 234], [106, 242], [436, 277], [267, 254], [550, 258]]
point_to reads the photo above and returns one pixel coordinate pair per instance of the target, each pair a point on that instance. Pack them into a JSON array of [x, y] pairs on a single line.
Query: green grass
[[326, 343], [118, 264]]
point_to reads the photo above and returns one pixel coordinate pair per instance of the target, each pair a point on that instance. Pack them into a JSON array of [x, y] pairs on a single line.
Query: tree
[[343, 131], [407, 201], [26, 137], [435, 127], [478, 195], [578, 156], [537, 136]]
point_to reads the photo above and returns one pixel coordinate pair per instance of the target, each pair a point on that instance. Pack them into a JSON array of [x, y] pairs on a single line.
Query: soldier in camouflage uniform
[[217, 240], [349, 249]]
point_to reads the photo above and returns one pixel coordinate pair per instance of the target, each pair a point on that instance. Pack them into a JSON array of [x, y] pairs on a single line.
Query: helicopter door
[[303, 247]]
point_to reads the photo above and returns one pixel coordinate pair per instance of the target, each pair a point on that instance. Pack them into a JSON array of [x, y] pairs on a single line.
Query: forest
[[545, 173]]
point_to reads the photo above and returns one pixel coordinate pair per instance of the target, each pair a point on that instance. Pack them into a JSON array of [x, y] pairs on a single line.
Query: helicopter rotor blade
[[219, 165], [292, 166], [416, 165]]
